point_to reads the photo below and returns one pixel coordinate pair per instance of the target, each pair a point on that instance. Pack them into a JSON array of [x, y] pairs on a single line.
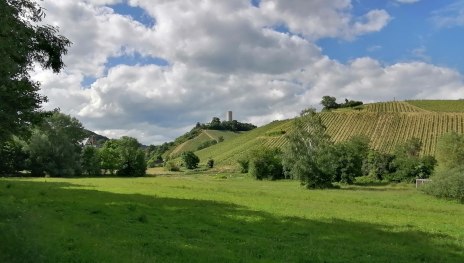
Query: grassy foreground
[[222, 218]]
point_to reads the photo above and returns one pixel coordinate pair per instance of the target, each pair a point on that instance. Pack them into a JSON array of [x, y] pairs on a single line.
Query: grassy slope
[[227, 152], [439, 105], [386, 124], [206, 219], [205, 135]]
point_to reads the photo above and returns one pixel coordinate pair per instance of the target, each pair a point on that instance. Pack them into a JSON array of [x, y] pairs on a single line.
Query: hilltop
[[387, 124]]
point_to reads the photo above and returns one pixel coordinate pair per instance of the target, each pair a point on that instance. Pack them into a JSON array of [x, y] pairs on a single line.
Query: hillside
[[439, 105], [387, 124], [204, 136]]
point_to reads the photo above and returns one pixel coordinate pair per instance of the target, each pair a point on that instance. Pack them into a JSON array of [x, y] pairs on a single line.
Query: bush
[[448, 185], [171, 166], [206, 144], [244, 165], [266, 164], [210, 163], [190, 160]]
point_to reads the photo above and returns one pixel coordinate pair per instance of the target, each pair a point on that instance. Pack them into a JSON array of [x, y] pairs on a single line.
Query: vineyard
[[439, 105], [393, 106], [386, 124]]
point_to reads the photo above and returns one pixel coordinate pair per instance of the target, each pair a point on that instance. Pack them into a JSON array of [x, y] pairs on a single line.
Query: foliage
[[12, 155], [54, 147], [123, 156], [450, 151], [210, 163], [24, 42], [233, 125], [331, 103], [349, 157], [109, 157], [266, 163], [449, 179], [377, 165], [171, 166], [305, 156], [447, 184], [409, 165], [244, 165], [91, 161], [190, 160], [206, 144], [132, 158]]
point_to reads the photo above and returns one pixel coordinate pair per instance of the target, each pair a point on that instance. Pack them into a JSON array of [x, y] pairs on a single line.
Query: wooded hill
[[387, 124]]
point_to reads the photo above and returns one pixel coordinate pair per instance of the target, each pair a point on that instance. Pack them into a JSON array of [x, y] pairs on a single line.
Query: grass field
[[222, 218]]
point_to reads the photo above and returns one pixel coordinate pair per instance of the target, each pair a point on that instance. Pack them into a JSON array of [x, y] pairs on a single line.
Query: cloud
[[407, 1], [219, 56], [449, 16], [323, 18]]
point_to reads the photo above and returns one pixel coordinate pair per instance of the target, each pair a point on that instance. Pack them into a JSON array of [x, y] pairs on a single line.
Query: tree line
[[55, 148], [313, 158]]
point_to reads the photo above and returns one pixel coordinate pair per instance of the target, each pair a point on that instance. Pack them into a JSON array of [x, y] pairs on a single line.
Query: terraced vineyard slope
[[439, 105], [386, 124]]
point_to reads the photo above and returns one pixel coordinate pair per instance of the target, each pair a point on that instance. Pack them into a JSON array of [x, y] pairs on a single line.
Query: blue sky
[[151, 69], [412, 34]]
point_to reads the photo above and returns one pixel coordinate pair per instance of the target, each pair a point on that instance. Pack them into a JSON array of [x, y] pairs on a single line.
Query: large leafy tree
[[24, 42], [54, 146], [308, 155]]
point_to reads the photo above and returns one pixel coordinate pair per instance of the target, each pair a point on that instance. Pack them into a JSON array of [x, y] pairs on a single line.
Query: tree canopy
[[23, 43]]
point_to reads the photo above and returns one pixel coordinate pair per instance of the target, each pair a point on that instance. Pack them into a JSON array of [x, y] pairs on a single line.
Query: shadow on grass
[[57, 222]]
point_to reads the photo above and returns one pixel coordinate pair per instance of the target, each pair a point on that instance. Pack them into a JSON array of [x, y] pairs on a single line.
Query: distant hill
[[387, 124], [204, 137], [93, 137]]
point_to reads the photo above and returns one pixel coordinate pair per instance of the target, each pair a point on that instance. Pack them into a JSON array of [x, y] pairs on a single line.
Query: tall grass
[[223, 218]]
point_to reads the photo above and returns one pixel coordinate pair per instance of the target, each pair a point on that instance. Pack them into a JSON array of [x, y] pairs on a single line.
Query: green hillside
[[439, 105], [386, 124], [205, 135]]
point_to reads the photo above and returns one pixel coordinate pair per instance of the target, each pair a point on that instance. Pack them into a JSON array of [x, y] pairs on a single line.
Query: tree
[[54, 146], [132, 158], [109, 157], [23, 43], [210, 163], [266, 163], [306, 155], [91, 161], [448, 181], [378, 165], [329, 102], [349, 157], [12, 156], [450, 151], [190, 160], [408, 163]]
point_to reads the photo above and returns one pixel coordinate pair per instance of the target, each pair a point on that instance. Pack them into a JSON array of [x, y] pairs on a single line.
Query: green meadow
[[222, 218]]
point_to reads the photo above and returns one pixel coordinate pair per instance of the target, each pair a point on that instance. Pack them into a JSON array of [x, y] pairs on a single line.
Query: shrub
[[171, 166], [449, 184], [206, 144], [190, 160], [244, 165], [210, 163], [266, 164]]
